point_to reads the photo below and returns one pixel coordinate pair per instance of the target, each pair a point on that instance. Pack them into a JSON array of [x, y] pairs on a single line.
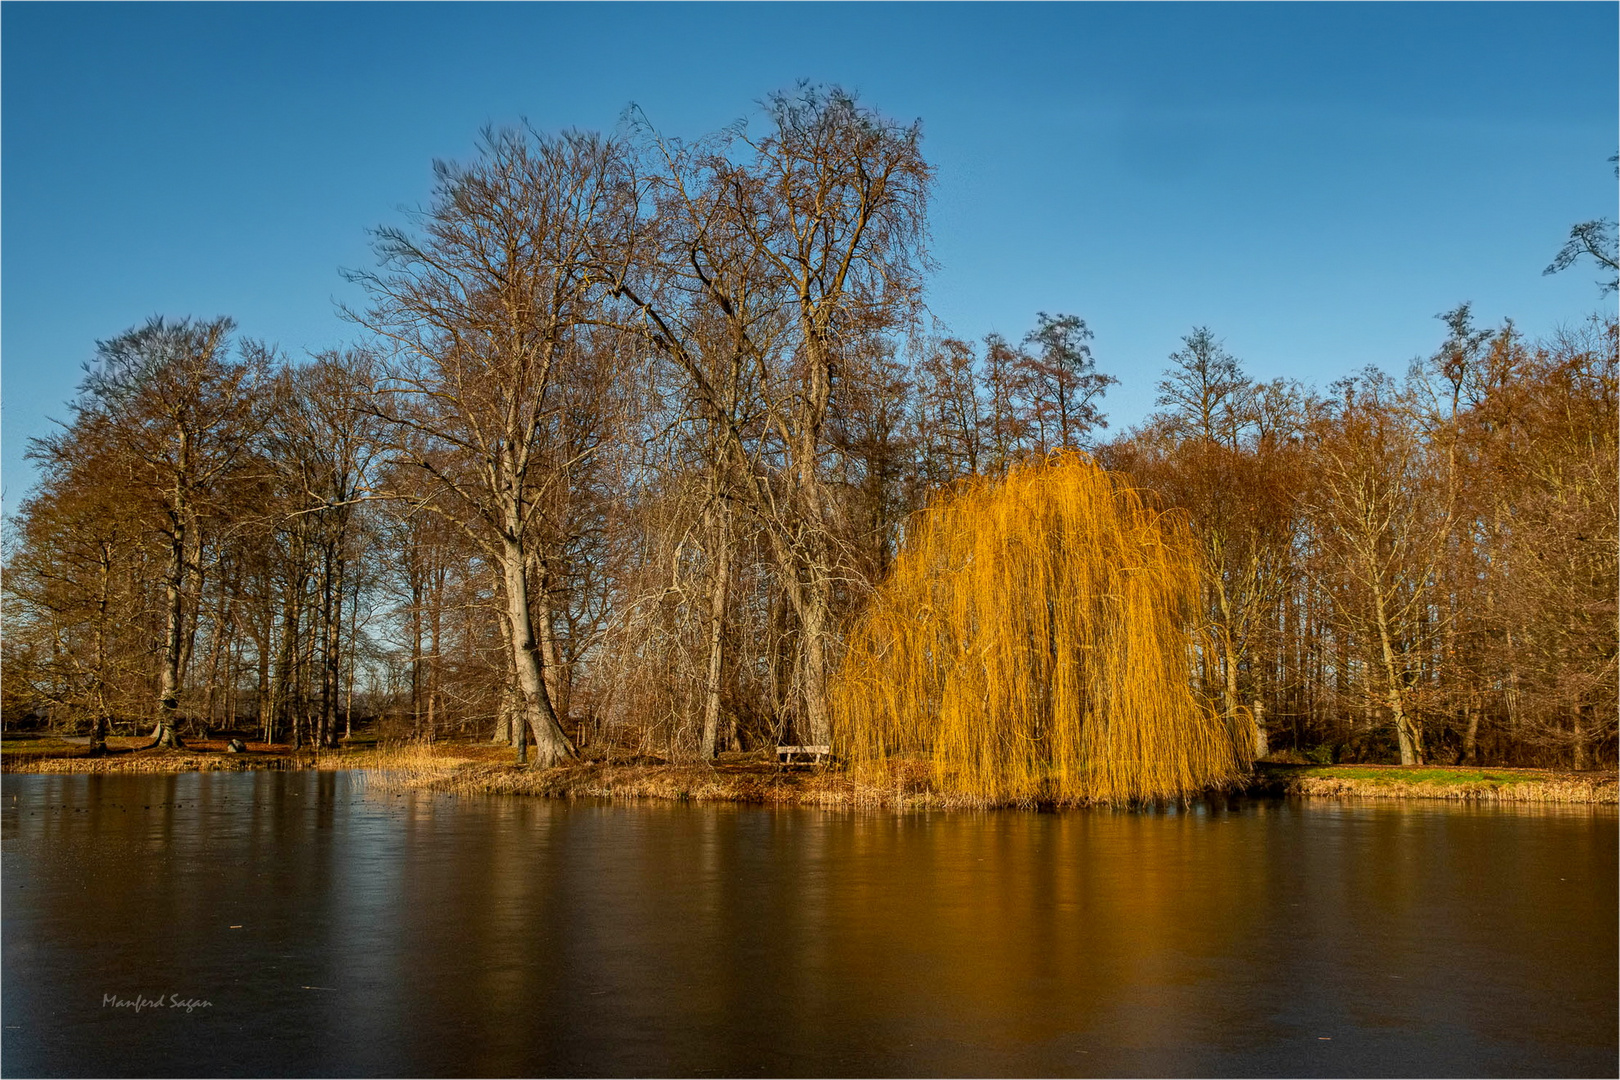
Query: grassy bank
[[755, 780], [30, 753], [1438, 782], [467, 768], [745, 778]]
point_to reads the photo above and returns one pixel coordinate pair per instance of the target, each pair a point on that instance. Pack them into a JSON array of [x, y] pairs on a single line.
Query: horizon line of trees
[[633, 427]]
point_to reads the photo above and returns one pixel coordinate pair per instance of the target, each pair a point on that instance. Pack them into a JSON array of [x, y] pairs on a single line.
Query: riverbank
[[757, 781], [1437, 782], [742, 778], [30, 753], [466, 768]]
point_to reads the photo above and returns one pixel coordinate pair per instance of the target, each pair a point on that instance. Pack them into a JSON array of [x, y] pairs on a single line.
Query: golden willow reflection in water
[[414, 935]]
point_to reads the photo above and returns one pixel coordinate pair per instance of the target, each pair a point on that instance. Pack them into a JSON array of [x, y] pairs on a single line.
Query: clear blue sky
[[1313, 182]]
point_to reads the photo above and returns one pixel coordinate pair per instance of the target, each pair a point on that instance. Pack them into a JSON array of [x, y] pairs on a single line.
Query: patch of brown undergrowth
[[451, 769], [1570, 788]]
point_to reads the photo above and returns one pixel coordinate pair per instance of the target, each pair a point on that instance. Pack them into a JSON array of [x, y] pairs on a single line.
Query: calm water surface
[[340, 931]]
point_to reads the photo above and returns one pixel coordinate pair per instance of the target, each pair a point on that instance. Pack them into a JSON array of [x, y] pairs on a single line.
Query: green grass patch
[[38, 744], [1394, 775]]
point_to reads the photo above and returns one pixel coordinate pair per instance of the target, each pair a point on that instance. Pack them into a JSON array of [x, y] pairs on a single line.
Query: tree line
[[632, 427]]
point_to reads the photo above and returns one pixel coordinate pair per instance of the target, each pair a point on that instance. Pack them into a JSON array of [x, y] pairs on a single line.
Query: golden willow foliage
[[1032, 642]]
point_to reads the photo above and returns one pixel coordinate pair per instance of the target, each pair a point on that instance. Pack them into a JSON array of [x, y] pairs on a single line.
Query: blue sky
[[1313, 182]]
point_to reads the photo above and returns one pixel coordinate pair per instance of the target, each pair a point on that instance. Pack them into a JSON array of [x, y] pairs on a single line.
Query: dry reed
[[132, 755], [1495, 785], [451, 770], [1032, 643], [909, 783]]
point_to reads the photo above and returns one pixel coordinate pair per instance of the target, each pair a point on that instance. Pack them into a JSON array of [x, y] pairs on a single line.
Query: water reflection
[[345, 932]]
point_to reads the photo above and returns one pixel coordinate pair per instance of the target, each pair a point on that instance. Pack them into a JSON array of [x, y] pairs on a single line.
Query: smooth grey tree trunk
[[551, 744]]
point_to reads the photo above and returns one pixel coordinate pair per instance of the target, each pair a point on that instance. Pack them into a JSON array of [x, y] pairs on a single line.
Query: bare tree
[[483, 316], [949, 420], [326, 439], [834, 201], [184, 413], [77, 628], [1595, 239], [1386, 521], [1061, 382]]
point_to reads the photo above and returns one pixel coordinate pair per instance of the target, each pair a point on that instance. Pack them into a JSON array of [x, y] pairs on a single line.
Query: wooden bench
[[786, 754]]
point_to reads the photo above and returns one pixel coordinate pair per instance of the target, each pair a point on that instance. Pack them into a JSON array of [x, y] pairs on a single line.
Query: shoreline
[[484, 769], [1443, 782]]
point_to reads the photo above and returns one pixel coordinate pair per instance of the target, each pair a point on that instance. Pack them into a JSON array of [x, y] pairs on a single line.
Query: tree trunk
[[435, 627], [174, 629], [503, 719], [216, 651], [262, 699], [1406, 731], [509, 722], [1235, 725], [720, 582], [814, 560], [98, 734], [808, 600], [550, 742], [1578, 755], [191, 585], [1241, 738], [813, 625], [305, 718], [98, 725], [354, 636], [550, 655], [417, 679], [1470, 750], [1262, 745], [331, 642], [233, 682], [282, 679]]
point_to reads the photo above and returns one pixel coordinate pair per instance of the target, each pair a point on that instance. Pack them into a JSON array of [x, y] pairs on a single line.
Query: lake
[[333, 928]]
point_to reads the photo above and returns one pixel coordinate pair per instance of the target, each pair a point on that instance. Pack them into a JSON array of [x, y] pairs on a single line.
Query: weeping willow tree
[[1033, 642]]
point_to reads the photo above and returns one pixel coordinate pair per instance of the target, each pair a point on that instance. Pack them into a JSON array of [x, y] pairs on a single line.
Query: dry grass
[[482, 769], [734, 778], [1032, 643], [1475, 785], [472, 771], [126, 754]]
